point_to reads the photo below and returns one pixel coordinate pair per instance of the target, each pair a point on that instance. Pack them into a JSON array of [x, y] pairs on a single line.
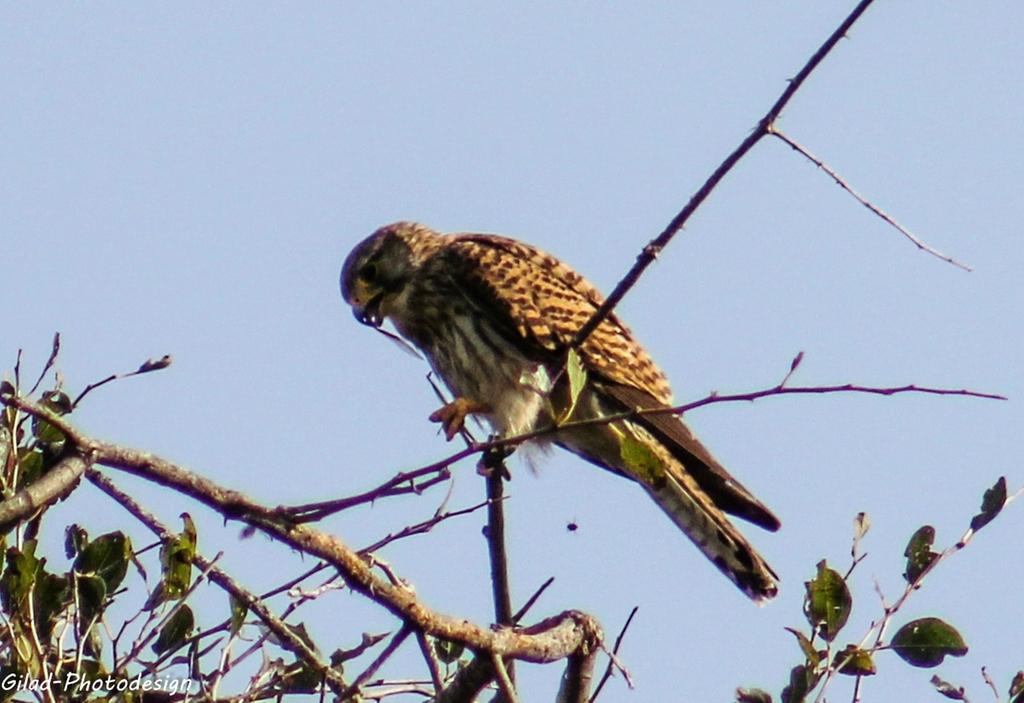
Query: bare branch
[[519, 614], [277, 626], [430, 657], [493, 467], [55, 485], [655, 246], [422, 527], [146, 367], [376, 664], [842, 183], [401, 483], [504, 678], [613, 654], [579, 672], [550, 640], [54, 352]]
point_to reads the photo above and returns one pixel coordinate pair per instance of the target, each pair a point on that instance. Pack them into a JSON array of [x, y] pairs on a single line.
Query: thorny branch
[[506, 443], [656, 245]]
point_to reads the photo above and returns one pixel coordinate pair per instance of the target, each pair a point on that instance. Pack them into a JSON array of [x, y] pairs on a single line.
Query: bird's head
[[379, 267]]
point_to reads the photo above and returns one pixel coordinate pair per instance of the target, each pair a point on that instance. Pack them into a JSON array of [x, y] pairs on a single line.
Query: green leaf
[[827, 602], [299, 677], [238, 612], [991, 503], [57, 402], [810, 653], [20, 575], [48, 435], [926, 642], [30, 466], [1017, 688], [176, 556], [752, 695], [919, 553], [577, 381], [854, 661], [448, 651], [107, 556], [947, 689], [92, 597], [641, 460], [50, 599], [6, 445], [75, 540], [801, 681], [175, 630]]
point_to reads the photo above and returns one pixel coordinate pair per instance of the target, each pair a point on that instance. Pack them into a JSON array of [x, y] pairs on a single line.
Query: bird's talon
[[452, 416]]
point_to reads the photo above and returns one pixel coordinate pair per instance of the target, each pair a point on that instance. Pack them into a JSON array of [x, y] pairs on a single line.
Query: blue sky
[[186, 179]]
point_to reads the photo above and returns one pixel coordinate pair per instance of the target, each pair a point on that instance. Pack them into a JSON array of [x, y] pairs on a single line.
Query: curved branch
[[288, 639], [550, 640]]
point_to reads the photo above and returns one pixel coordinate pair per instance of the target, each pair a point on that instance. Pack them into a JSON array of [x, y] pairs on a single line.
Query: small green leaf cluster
[[923, 642], [58, 630]]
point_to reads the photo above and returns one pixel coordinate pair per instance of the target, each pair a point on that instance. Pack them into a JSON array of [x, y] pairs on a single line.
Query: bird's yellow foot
[[453, 415]]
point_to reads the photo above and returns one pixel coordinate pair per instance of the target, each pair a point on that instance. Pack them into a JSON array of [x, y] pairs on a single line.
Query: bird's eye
[[369, 272]]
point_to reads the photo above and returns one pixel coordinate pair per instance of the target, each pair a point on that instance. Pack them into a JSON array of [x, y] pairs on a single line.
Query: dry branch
[[550, 640]]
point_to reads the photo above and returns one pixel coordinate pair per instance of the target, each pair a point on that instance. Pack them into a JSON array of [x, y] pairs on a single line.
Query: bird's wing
[[540, 303], [546, 302]]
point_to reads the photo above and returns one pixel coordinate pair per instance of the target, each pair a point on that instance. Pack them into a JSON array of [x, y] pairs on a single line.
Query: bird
[[496, 319]]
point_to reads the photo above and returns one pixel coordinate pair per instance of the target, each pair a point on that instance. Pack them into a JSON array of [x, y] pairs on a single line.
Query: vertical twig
[[579, 673], [431, 659], [494, 470], [385, 654]]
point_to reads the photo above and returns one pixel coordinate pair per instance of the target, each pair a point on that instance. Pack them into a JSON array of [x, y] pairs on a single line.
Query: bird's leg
[[452, 416]]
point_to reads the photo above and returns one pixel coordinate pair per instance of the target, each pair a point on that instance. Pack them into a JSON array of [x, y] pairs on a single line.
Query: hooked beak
[[369, 314]]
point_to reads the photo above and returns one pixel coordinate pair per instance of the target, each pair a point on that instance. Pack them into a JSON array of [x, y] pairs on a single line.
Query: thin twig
[[422, 527], [430, 657], [401, 483], [496, 544], [521, 613], [504, 678], [370, 670], [655, 246], [712, 398], [879, 628], [609, 670], [146, 367], [842, 183], [54, 352], [274, 624], [494, 468]]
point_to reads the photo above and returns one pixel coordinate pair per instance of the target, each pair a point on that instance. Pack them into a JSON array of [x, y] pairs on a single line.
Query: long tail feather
[[719, 540]]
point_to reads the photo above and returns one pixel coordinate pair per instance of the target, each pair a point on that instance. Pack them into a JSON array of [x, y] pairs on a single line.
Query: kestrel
[[495, 319]]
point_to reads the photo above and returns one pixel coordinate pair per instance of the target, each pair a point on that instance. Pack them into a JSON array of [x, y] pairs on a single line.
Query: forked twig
[[613, 657]]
